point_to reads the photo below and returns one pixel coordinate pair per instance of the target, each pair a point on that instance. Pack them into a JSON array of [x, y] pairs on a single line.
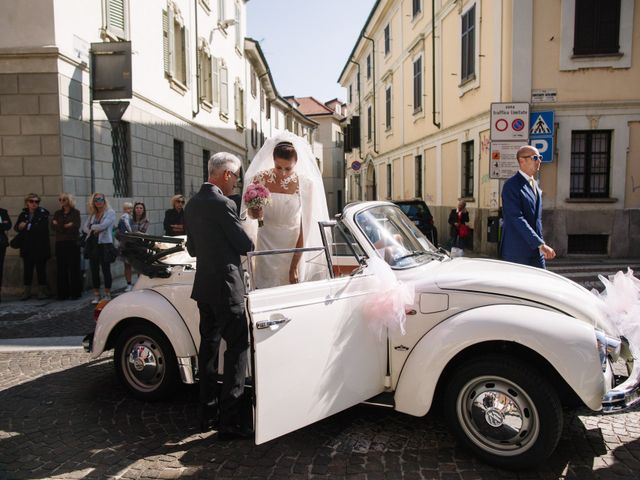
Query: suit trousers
[[40, 265], [226, 322]]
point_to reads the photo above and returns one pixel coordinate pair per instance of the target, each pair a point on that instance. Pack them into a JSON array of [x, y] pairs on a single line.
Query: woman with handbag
[[99, 247], [5, 225], [32, 226], [66, 225], [459, 230]]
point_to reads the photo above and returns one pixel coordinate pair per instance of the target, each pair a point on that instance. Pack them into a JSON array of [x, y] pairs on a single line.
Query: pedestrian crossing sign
[[541, 133]]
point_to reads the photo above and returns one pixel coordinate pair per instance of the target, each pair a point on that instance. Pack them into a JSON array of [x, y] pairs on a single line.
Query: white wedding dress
[[281, 229]]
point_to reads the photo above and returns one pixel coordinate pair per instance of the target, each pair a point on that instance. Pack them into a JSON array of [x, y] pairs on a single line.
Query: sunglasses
[[33, 200], [61, 199], [535, 158], [98, 199], [179, 201]]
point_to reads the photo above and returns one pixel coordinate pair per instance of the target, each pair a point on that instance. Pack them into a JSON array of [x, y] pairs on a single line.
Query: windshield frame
[[422, 251]]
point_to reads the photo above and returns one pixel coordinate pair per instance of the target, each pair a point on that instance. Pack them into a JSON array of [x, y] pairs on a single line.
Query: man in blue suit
[[522, 240]]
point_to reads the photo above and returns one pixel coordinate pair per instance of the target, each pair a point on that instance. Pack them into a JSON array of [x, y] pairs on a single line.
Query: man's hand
[[548, 252], [22, 225]]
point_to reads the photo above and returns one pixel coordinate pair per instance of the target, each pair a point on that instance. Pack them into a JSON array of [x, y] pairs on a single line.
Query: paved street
[[64, 416]]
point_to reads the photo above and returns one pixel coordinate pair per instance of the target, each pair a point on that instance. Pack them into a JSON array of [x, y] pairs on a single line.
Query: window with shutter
[[224, 90], [468, 41], [387, 108], [215, 80], [116, 18], [165, 43], [237, 27], [597, 27], [417, 85], [175, 48], [205, 77], [220, 10]]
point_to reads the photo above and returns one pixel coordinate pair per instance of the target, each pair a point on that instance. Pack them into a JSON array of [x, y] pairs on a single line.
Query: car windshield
[[396, 238]]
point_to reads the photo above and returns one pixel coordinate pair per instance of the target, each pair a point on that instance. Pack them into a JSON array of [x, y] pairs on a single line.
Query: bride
[[287, 167]]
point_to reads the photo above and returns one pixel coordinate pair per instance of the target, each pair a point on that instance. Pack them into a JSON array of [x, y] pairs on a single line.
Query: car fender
[[150, 306], [568, 344]]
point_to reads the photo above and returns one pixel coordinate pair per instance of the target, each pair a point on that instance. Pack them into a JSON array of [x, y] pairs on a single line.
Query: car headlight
[[608, 347]]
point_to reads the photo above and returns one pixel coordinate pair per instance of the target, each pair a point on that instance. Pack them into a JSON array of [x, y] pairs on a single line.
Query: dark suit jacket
[[5, 224], [217, 240], [522, 221]]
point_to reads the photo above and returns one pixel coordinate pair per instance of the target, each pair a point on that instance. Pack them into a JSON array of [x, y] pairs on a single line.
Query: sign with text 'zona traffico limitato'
[[510, 122]]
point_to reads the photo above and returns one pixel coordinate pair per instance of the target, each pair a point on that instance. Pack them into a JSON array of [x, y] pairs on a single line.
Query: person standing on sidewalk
[[33, 226], [99, 247], [66, 225], [5, 225], [522, 240], [140, 224], [216, 239]]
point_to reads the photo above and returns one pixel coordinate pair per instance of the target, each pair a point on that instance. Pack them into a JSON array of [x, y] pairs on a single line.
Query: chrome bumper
[[625, 395], [185, 366]]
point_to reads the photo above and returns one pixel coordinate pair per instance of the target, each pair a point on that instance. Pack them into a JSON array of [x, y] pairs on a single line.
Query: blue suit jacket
[[522, 223]]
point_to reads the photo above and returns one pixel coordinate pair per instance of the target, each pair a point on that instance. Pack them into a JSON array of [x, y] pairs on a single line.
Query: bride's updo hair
[[285, 151]]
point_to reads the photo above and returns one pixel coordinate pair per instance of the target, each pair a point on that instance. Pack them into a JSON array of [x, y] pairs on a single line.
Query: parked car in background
[[501, 346], [419, 213]]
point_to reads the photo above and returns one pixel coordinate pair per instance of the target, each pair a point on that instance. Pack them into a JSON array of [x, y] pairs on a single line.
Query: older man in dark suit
[[217, 240], [522, 240]]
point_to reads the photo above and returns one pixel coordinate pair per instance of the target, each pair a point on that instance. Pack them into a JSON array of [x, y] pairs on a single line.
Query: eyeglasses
[[98, 199], [234, 174], [535, 158], [62, 199], [33, 200]]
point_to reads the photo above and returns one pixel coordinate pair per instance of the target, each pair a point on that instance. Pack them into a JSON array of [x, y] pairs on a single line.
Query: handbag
[[110, 252], [463, 230], [18, 241], [90, 247]]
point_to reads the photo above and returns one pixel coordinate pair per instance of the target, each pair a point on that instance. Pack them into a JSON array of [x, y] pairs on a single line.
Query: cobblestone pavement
[[46, 318], [65, 416]]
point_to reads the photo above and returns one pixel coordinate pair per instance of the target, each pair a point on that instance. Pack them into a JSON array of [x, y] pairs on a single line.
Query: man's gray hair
[[222, 161]]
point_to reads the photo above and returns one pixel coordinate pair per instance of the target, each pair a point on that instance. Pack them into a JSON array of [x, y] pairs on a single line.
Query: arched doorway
[[370, 191]]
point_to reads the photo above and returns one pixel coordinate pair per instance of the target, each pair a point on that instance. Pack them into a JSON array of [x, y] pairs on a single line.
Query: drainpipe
[[193, 114], [359, 107], [375, 117], [433, 61]]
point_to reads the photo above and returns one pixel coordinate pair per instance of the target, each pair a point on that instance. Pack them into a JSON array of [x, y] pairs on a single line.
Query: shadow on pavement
[[80, 423]]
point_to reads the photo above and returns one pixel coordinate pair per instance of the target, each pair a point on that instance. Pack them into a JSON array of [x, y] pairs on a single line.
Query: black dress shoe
[[234, 432], [208, 416]]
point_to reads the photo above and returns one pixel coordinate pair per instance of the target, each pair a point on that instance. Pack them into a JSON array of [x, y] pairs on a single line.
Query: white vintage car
[[501, 346]]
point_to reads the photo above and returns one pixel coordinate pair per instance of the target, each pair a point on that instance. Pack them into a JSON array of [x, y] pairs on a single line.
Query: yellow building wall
[[396, 175], [578, 85], [632, 193], [450, 173], [430, 187], [409, 175]]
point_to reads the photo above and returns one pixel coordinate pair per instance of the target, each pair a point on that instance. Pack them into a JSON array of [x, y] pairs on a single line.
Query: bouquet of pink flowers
[[257, 196]]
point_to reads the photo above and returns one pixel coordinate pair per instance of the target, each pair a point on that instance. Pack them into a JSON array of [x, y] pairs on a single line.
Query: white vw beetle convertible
[[501, 346]]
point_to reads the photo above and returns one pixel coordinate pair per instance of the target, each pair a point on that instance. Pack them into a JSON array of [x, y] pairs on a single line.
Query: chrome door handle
[[274, 322]]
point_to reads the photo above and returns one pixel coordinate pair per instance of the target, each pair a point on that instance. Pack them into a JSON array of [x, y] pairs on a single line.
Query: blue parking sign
[[541, 133]]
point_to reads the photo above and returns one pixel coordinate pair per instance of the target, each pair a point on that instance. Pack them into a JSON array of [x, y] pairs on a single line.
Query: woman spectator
[[458, 230], [5, 225], [174, 217], [33, 226], [139, 223], [66, 225], [99, 244]]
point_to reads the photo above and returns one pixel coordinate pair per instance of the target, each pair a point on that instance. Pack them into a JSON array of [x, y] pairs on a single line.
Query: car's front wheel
[[145, 362], [504, 410]]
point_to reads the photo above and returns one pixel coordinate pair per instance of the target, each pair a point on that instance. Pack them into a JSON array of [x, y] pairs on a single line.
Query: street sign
[[356, 165], [510, 122], [541, 134], [544, 95], [502, 162]]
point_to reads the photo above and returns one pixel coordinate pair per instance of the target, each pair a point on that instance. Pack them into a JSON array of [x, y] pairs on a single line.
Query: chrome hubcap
[[498, 416], [143, 363]]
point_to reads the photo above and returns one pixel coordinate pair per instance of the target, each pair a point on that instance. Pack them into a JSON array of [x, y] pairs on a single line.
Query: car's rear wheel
[[504, 411], [145, 362]]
